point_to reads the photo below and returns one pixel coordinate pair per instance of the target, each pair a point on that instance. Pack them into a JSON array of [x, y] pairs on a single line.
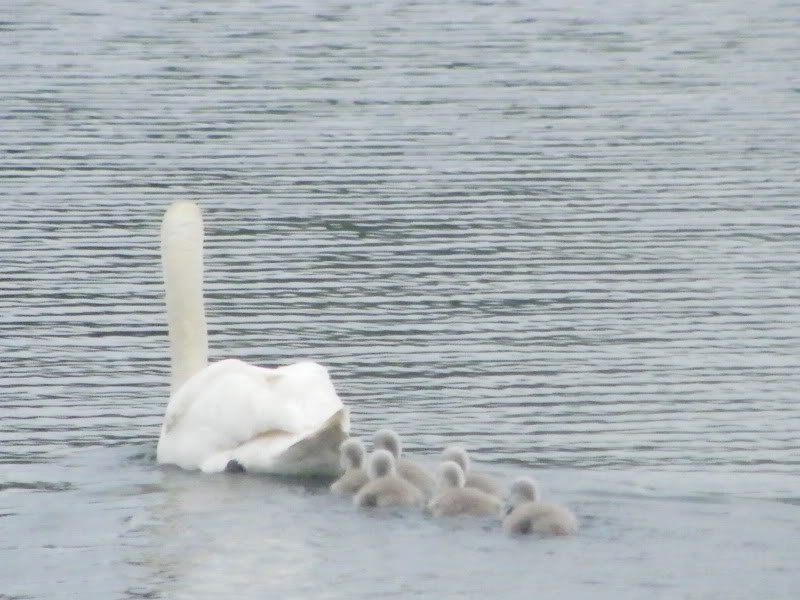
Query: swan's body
[[387, 439], [481, 481], [452, 498], [287, 420], [529, 514], [355, 476], [385, 487]]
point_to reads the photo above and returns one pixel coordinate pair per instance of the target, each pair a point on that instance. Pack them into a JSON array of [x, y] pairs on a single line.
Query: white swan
[[287, 420]]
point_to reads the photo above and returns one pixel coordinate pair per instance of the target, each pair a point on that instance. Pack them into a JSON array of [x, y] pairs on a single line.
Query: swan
[[529, 514], [481, 481], [385, 486], [352, 459], [452, 498], [287, 420], [388, 439]]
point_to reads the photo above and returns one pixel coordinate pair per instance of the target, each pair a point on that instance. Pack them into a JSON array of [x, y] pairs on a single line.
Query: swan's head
[[381, 464], [523, 489], [388, 439], [451, 475], [352, 453], [458, 455]]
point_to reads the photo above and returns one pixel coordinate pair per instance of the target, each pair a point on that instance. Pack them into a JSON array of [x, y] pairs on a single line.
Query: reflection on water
[[163, 533], [564, 237]]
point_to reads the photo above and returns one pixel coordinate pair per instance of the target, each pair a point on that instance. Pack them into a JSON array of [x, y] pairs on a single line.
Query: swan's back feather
[[236, 410]]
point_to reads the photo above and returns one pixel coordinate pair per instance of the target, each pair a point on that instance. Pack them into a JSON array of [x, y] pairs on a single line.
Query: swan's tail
[[319, 453], [182, 261], [313, 454]]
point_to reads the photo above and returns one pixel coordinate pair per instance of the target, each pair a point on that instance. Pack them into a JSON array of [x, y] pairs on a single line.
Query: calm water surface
[[566, 237]]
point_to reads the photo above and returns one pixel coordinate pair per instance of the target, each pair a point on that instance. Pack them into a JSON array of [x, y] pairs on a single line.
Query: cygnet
[[529, 514], [385, 487], [482, 481], [352, 453], [388, 439], [452, 498]]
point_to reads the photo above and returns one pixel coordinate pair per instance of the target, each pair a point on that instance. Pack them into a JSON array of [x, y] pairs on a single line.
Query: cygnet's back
[[481, 481], [452, 498], [411, 471], [385, 487], [529, 514], [352, 454]]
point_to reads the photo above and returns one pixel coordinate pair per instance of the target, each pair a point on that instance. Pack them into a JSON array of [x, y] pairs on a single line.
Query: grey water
[[563, 234]]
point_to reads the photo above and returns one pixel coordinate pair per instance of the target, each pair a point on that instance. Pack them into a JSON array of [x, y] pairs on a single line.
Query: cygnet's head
[[458, 455], [387, 439], [451, 475], [381, 464], [352, 453], [524, 489]]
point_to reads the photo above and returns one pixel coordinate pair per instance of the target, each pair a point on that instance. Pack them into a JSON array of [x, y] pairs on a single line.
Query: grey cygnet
[[418, 475], [352, 453], [452, 498], [482, 481], [385, 487], [529, 514]]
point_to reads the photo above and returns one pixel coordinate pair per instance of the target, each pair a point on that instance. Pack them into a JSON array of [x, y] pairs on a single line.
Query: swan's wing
[[231, 404], [312, 453], [293, 398]]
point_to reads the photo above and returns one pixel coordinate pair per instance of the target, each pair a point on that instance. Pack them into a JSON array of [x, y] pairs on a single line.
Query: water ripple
[[563, 241]]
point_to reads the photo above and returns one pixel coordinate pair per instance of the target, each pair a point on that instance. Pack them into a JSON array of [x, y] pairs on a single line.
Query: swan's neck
[[182, 260]]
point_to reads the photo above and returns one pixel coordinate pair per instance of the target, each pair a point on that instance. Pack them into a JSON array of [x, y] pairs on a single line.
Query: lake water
[[564, 235]]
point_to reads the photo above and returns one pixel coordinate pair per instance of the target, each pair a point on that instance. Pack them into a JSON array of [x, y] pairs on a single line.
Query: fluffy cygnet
[[409, 470], [352, 453], [481, 481], [385, 487], [452, 498], [529, 514]]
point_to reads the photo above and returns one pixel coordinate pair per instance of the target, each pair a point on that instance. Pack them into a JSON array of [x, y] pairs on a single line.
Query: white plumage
[[286, 420]]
